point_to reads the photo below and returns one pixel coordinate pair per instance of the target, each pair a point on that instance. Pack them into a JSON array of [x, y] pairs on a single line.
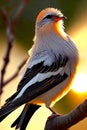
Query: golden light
[[79, 83], [79, 34], [39, 119]]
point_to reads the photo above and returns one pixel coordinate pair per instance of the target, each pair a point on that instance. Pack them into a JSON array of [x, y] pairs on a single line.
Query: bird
[[49, 71]]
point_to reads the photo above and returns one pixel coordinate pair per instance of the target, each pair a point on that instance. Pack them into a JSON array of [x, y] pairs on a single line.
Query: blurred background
[[75, 26]]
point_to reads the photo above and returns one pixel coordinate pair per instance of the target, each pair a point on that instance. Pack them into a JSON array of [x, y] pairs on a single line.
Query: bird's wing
[[36, 81]]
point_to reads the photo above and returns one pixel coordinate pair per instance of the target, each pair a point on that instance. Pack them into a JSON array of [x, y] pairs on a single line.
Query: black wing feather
[[40, 68], [39, 87]]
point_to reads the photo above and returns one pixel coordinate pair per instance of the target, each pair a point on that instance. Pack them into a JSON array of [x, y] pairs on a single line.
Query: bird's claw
[[53, 115]]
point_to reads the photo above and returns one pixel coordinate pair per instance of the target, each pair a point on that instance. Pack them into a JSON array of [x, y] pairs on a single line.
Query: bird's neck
[[48, 30], [60, 29]]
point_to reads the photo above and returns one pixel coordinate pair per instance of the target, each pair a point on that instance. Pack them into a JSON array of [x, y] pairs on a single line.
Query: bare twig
[[9, 46], [66, 121], [15, 74], [4, 16], [6, 60], [18, 13], [10, 32]]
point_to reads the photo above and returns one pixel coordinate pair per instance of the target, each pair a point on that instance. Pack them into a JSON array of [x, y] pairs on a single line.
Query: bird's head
[[50, 19]]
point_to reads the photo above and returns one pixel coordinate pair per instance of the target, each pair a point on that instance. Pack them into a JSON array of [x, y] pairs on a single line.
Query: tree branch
[[10, 32], [66, 121], [10, 36], [18, 13], [15, 74], [4, 16]]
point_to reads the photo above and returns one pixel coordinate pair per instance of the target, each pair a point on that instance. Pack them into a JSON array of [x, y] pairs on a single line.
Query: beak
[[57, 18]]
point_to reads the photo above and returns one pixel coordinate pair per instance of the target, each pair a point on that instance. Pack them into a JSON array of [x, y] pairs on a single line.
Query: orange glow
[[79, 85], [59, 28], [80, 37], [39, 119]]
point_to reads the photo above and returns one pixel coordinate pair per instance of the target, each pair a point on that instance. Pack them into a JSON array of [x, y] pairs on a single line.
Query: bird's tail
[[6, 110], [4, 116], [23, 119], [8, 107]]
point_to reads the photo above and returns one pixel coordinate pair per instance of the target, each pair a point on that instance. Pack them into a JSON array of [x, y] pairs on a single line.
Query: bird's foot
[[53, 115]]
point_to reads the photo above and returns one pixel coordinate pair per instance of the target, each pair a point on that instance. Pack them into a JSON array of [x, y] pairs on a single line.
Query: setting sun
[[79, 35], [79, 83]]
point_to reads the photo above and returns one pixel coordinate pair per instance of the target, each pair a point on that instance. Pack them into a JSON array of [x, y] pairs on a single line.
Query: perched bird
[[49, 70]]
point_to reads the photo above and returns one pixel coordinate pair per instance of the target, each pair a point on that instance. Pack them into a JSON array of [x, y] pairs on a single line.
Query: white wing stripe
[[38, 78]]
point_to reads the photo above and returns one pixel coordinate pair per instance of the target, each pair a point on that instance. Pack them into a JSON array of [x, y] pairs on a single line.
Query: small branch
[[66, 121], [4, 16], [10, 32], [20, 10], [18, 13], [9, 45], [6, 60], [15, 74]]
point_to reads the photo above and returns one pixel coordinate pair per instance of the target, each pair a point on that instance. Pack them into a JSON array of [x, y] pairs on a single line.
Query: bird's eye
[[49, 16]]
